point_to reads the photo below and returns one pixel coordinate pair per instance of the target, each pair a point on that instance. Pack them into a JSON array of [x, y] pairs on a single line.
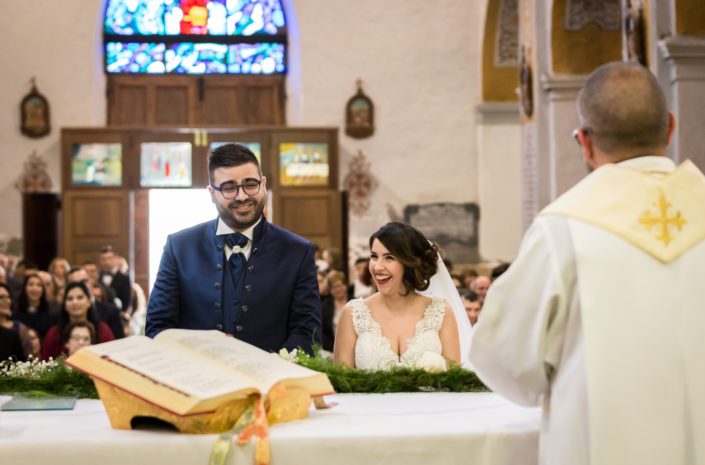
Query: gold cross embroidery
[[664, 221]]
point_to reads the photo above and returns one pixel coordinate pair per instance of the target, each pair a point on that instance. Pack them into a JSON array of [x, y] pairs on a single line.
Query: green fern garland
[[64, 381], [346, 379]]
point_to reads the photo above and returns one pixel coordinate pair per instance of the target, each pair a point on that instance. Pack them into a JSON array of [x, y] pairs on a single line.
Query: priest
[[600, 318]]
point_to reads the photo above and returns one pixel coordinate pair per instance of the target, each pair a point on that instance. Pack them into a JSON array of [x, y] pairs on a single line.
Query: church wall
[[419, 62], [59, 43]]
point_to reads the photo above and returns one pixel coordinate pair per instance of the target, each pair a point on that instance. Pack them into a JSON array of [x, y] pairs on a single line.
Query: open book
[[188, 372]]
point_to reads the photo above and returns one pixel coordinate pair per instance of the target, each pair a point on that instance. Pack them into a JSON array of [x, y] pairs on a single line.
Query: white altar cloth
[[409, 429]]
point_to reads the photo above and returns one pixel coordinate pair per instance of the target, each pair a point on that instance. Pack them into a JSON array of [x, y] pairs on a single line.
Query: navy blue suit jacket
[[282, 307]]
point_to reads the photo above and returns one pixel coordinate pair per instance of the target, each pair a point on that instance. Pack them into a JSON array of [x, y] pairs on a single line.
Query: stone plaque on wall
[[506, 46], [605, 13], [453, 226]]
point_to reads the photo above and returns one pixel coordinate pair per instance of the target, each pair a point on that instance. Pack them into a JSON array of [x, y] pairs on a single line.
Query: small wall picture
[[97, 164], [359, 115], [34, 111], [303, 164]]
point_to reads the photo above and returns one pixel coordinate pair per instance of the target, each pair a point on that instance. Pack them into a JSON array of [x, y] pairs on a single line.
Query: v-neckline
[[398, 357]]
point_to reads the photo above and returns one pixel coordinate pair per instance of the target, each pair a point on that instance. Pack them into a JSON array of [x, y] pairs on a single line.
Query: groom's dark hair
[[230, 155], [412, 250]]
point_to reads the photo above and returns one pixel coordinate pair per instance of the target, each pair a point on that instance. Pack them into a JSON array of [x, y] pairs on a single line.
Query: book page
[[264, 369], [171, 367]]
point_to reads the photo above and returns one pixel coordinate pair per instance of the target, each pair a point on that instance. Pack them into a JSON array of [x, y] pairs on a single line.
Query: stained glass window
[[195, 36]]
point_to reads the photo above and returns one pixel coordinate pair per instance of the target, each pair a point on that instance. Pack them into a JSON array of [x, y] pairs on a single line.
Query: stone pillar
[[683, 78], [499, 184]]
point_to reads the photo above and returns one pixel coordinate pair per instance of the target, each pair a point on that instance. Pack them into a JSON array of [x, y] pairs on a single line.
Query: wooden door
[[314, 214], [93, 218]]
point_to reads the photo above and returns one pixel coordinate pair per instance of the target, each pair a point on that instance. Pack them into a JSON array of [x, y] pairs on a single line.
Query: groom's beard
[[241, 221]]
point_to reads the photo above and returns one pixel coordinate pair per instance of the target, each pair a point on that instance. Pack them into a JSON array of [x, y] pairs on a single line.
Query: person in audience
[[106, 311], [79, 334], [480, 287], [98, 291], [332, 306], [498, 271], [238, 273], [94, 277], [471, 302], [138, 311], [363, 286], [77, 306], [35, 344], [58, 268], [600, 319], [112, 277], [469, 275], [17, 272], [10, 346], [321, 265], [33, 308], [6, 320], [333, 258], [25, 267], [449, 265], [50, 287], [397, 326], [92, 271], [322, 276], [457, 281], [3, 275]]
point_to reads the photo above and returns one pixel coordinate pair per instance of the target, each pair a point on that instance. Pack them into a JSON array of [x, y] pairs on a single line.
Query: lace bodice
[[373, 351]]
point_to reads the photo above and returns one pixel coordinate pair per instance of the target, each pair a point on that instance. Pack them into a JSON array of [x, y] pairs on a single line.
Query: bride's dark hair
[[410, 248]]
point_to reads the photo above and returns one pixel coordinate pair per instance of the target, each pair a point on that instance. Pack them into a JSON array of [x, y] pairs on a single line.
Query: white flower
[[289, 356], [431, 362], [32, 369]]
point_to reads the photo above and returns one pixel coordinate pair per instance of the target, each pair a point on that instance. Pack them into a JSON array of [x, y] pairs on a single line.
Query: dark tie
[[237, 261]]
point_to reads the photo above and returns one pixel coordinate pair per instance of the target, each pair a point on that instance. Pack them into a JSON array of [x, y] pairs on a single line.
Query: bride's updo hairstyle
[[411, 249]]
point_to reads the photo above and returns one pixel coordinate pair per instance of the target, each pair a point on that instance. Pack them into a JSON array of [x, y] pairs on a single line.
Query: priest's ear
[[671, 127], [582, 136]]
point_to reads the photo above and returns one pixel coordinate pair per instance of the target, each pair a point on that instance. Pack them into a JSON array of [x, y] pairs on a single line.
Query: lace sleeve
[[434, 314], [362, 320]]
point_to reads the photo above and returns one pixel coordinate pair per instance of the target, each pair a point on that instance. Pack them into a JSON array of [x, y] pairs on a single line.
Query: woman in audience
[[78, 334], [332, 306], [397, 326], [7, 322], [35, 344], [138, 312], [59, 268], [77, 306], [33, 308]]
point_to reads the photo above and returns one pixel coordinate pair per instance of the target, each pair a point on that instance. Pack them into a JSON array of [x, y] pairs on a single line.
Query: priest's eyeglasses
[[586, 130], [230, 190]]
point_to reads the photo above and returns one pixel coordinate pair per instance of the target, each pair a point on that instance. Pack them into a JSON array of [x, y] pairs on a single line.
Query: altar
[[406, 428]]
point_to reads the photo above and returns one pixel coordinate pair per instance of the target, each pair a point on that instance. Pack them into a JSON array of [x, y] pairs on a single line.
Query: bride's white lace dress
[[373, 351]]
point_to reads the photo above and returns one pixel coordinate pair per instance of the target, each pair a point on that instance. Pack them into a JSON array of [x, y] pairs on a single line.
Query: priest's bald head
[[623, 115]]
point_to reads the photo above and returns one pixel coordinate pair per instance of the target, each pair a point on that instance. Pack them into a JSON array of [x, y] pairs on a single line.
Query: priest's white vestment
[[601, 319]]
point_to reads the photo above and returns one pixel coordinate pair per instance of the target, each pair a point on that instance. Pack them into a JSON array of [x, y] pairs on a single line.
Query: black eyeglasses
[[230, 190], [576, 131]]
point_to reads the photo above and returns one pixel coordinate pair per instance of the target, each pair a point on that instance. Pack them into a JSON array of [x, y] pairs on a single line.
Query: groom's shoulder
[[276, 233], [196, 232]]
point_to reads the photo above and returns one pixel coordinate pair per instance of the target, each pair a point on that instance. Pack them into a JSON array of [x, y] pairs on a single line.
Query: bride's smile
[[386, 270]]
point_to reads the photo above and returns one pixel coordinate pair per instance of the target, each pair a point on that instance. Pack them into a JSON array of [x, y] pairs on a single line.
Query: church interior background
[[474, 102]]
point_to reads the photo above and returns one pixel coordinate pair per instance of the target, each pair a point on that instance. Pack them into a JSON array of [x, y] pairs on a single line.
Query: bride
[[398, 326]]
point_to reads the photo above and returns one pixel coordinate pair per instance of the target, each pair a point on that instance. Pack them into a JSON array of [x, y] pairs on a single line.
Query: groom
[[239, 273]]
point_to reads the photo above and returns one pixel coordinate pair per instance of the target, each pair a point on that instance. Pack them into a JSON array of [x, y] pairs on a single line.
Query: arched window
[[195, 37]]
